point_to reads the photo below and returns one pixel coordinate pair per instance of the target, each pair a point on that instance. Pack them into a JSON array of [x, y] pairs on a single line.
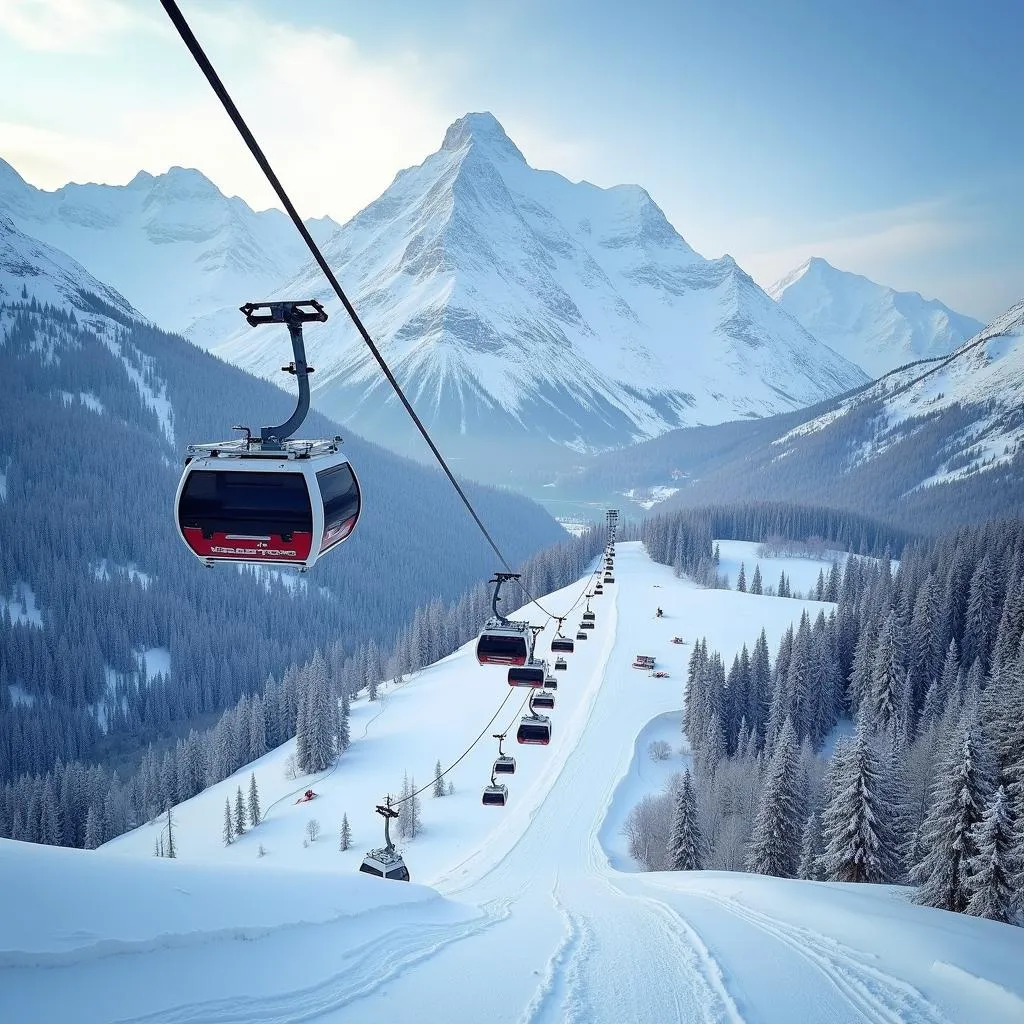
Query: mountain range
[[518, 306], [173, 244], [874, 326], [932, 445]]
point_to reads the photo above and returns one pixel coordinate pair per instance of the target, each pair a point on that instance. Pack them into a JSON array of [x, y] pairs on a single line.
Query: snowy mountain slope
[[955, 421], [513, 303], [873, 326], [530, 917], [173, 244], [30, 269]]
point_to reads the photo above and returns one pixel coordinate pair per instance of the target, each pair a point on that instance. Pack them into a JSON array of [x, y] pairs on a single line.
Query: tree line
[[926, 663]]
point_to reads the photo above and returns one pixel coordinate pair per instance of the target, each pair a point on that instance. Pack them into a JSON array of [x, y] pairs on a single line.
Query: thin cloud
[[70, 26]]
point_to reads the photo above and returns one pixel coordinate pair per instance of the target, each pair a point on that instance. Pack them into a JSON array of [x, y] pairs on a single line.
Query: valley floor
[[528, 917]]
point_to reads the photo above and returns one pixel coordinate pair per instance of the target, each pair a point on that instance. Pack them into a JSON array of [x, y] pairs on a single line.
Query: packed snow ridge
[[516, 913]]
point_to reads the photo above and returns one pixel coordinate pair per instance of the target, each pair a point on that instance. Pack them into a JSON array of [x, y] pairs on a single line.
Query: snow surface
[[527, 920], [22, 607], [20, 697], [648, 497], [105, 570], [873, 326], [156, 661], [801, 572]]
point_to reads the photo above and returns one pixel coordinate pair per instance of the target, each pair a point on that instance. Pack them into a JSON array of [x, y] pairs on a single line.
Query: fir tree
[[240, 816], [172, 852], [415, 811], [438, 780], [756, 584], [810, 849], [93, 828], [775, 840], [345, 834], [254, 801], [344, 714], [994, 867], [888, 680], [860, 844], [686, 843], [228, 833], [948, 834], [741, 580]]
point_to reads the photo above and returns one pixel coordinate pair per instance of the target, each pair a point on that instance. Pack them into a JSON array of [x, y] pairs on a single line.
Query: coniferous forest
[[881, 742]]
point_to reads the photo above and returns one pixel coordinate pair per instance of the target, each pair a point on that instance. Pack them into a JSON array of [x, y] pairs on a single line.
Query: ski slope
[[524, 916]]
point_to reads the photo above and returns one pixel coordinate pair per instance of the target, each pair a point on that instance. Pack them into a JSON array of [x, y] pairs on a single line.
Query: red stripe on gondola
[[230, 548]]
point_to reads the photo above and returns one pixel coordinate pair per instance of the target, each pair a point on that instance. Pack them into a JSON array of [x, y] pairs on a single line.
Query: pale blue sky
[[886, 137]]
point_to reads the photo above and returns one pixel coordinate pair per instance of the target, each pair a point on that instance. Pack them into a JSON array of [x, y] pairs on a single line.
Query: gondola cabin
[[581, 635], [562, 645], [504, 642], [495, 795], [586, 625], [532, 674], [289, 506], [609, 579], [599, 590], [504, 765], [385, 864], [534, 729], [551, 683], [544, 700], [589, 616], [561, 664]]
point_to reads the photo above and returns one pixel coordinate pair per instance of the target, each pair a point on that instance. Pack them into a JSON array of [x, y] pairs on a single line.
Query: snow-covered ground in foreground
[[528, 920], [801, 572]]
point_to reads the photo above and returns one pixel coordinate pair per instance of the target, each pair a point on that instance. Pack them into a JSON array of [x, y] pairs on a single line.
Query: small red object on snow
[[308, 795]]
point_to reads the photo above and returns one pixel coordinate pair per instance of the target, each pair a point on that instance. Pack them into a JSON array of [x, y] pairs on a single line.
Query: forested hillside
[[111, 633], [76, 804], [926, 784]]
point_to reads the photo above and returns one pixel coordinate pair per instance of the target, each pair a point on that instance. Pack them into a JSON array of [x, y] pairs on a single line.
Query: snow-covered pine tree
[[172, 851], [756, 584], [344, 834], [958, 801], [887, 696], [254, 801], [301, 731], [415, 811], [228, 832], [93, 828], [240, 813], [344, 714], [686, 843], [775, 840], [438, 780], [741, 580], [404, 809], [321, 722], [995, 867], [810, 849], [860, 844]]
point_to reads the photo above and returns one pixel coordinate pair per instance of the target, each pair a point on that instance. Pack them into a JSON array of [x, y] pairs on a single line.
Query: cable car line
[[422, 789], [199, 55]]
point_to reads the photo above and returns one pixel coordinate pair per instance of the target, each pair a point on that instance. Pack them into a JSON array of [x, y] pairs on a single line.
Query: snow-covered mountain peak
[[870, 324], [515, 304], [172, 243], [482, 131]]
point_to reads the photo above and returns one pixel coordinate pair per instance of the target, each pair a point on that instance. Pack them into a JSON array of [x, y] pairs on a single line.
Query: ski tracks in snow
[[362, 972], [873, 994]]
